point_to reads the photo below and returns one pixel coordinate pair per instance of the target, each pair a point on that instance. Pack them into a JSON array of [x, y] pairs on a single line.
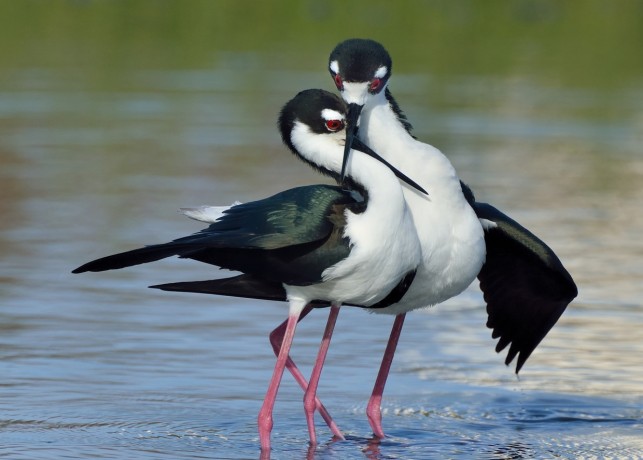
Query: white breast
[[450, 234], [384, 244]]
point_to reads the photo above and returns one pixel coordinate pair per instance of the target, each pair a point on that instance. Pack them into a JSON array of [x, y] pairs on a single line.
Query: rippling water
[[98, 366]]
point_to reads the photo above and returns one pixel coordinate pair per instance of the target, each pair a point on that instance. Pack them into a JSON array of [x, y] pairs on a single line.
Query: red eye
[[334, 125], [375, 85], [338, 82]]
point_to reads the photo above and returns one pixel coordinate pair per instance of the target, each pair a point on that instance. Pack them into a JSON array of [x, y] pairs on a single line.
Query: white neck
[[380, 129], [327, 150]]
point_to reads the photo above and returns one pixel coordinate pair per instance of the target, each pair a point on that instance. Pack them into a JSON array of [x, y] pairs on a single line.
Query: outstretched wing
[[290, 237], [524, 283]]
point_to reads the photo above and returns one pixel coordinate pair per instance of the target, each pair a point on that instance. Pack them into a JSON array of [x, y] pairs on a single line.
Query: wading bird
[[311, 245], [525, 285]]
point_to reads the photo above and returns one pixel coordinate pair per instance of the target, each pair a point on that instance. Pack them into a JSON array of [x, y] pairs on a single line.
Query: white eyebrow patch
[[330, 114], [334, 66], [381, 72]]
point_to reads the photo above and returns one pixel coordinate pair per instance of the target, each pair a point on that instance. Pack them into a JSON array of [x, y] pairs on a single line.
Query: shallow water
[[98, 366]]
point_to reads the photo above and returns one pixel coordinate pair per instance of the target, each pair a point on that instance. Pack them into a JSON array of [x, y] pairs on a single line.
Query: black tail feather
[[246, 286], [134, 257]]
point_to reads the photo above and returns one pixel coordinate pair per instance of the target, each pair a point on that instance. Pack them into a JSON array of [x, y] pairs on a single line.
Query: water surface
[[106, 129]]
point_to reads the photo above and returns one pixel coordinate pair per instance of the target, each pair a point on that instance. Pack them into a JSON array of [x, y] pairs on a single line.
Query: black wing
[[290, 237], [524, 283]]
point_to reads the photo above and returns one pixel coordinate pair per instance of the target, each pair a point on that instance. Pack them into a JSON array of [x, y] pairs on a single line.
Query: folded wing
[[289, 238]]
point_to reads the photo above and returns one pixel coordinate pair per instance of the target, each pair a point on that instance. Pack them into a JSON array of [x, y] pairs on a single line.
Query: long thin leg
[[373, 409], [264, 420], [276, 338], [310, 396]]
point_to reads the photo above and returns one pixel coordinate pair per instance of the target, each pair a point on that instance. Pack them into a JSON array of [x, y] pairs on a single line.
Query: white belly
[[453, 251], [383, 252]]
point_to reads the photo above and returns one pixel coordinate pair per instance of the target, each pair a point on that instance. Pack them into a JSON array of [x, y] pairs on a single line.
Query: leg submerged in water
[[264, 419], [276, 339], [373, 409], [310, 395]]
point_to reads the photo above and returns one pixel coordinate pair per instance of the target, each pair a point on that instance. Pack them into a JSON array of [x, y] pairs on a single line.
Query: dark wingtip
[[514, 351], [83, 268], [244, 286], [166, 287], [525, 285]]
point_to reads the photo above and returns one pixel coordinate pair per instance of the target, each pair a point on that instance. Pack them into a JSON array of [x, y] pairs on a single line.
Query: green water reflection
[[594, 43]]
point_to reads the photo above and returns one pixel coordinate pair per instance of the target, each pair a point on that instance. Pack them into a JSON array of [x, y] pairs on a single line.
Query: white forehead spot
[[381, 72], [330, 114], [334, 66]]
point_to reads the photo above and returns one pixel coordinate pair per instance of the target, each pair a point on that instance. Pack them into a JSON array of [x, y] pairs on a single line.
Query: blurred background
[[114, 114]]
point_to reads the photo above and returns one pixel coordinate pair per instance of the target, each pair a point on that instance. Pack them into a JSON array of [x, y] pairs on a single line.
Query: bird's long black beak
[[353, 142], [351, 130], [359, 145]]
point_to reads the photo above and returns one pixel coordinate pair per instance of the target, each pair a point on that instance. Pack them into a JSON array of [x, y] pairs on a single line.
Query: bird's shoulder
[[295, 216]]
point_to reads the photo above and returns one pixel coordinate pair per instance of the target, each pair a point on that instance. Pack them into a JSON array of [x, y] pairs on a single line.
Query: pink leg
[[310, 396], [373, 409], [276, 338], [264, 420]]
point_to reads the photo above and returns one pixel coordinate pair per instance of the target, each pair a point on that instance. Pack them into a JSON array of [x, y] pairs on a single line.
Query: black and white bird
[[312, 245], [525, 285]]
